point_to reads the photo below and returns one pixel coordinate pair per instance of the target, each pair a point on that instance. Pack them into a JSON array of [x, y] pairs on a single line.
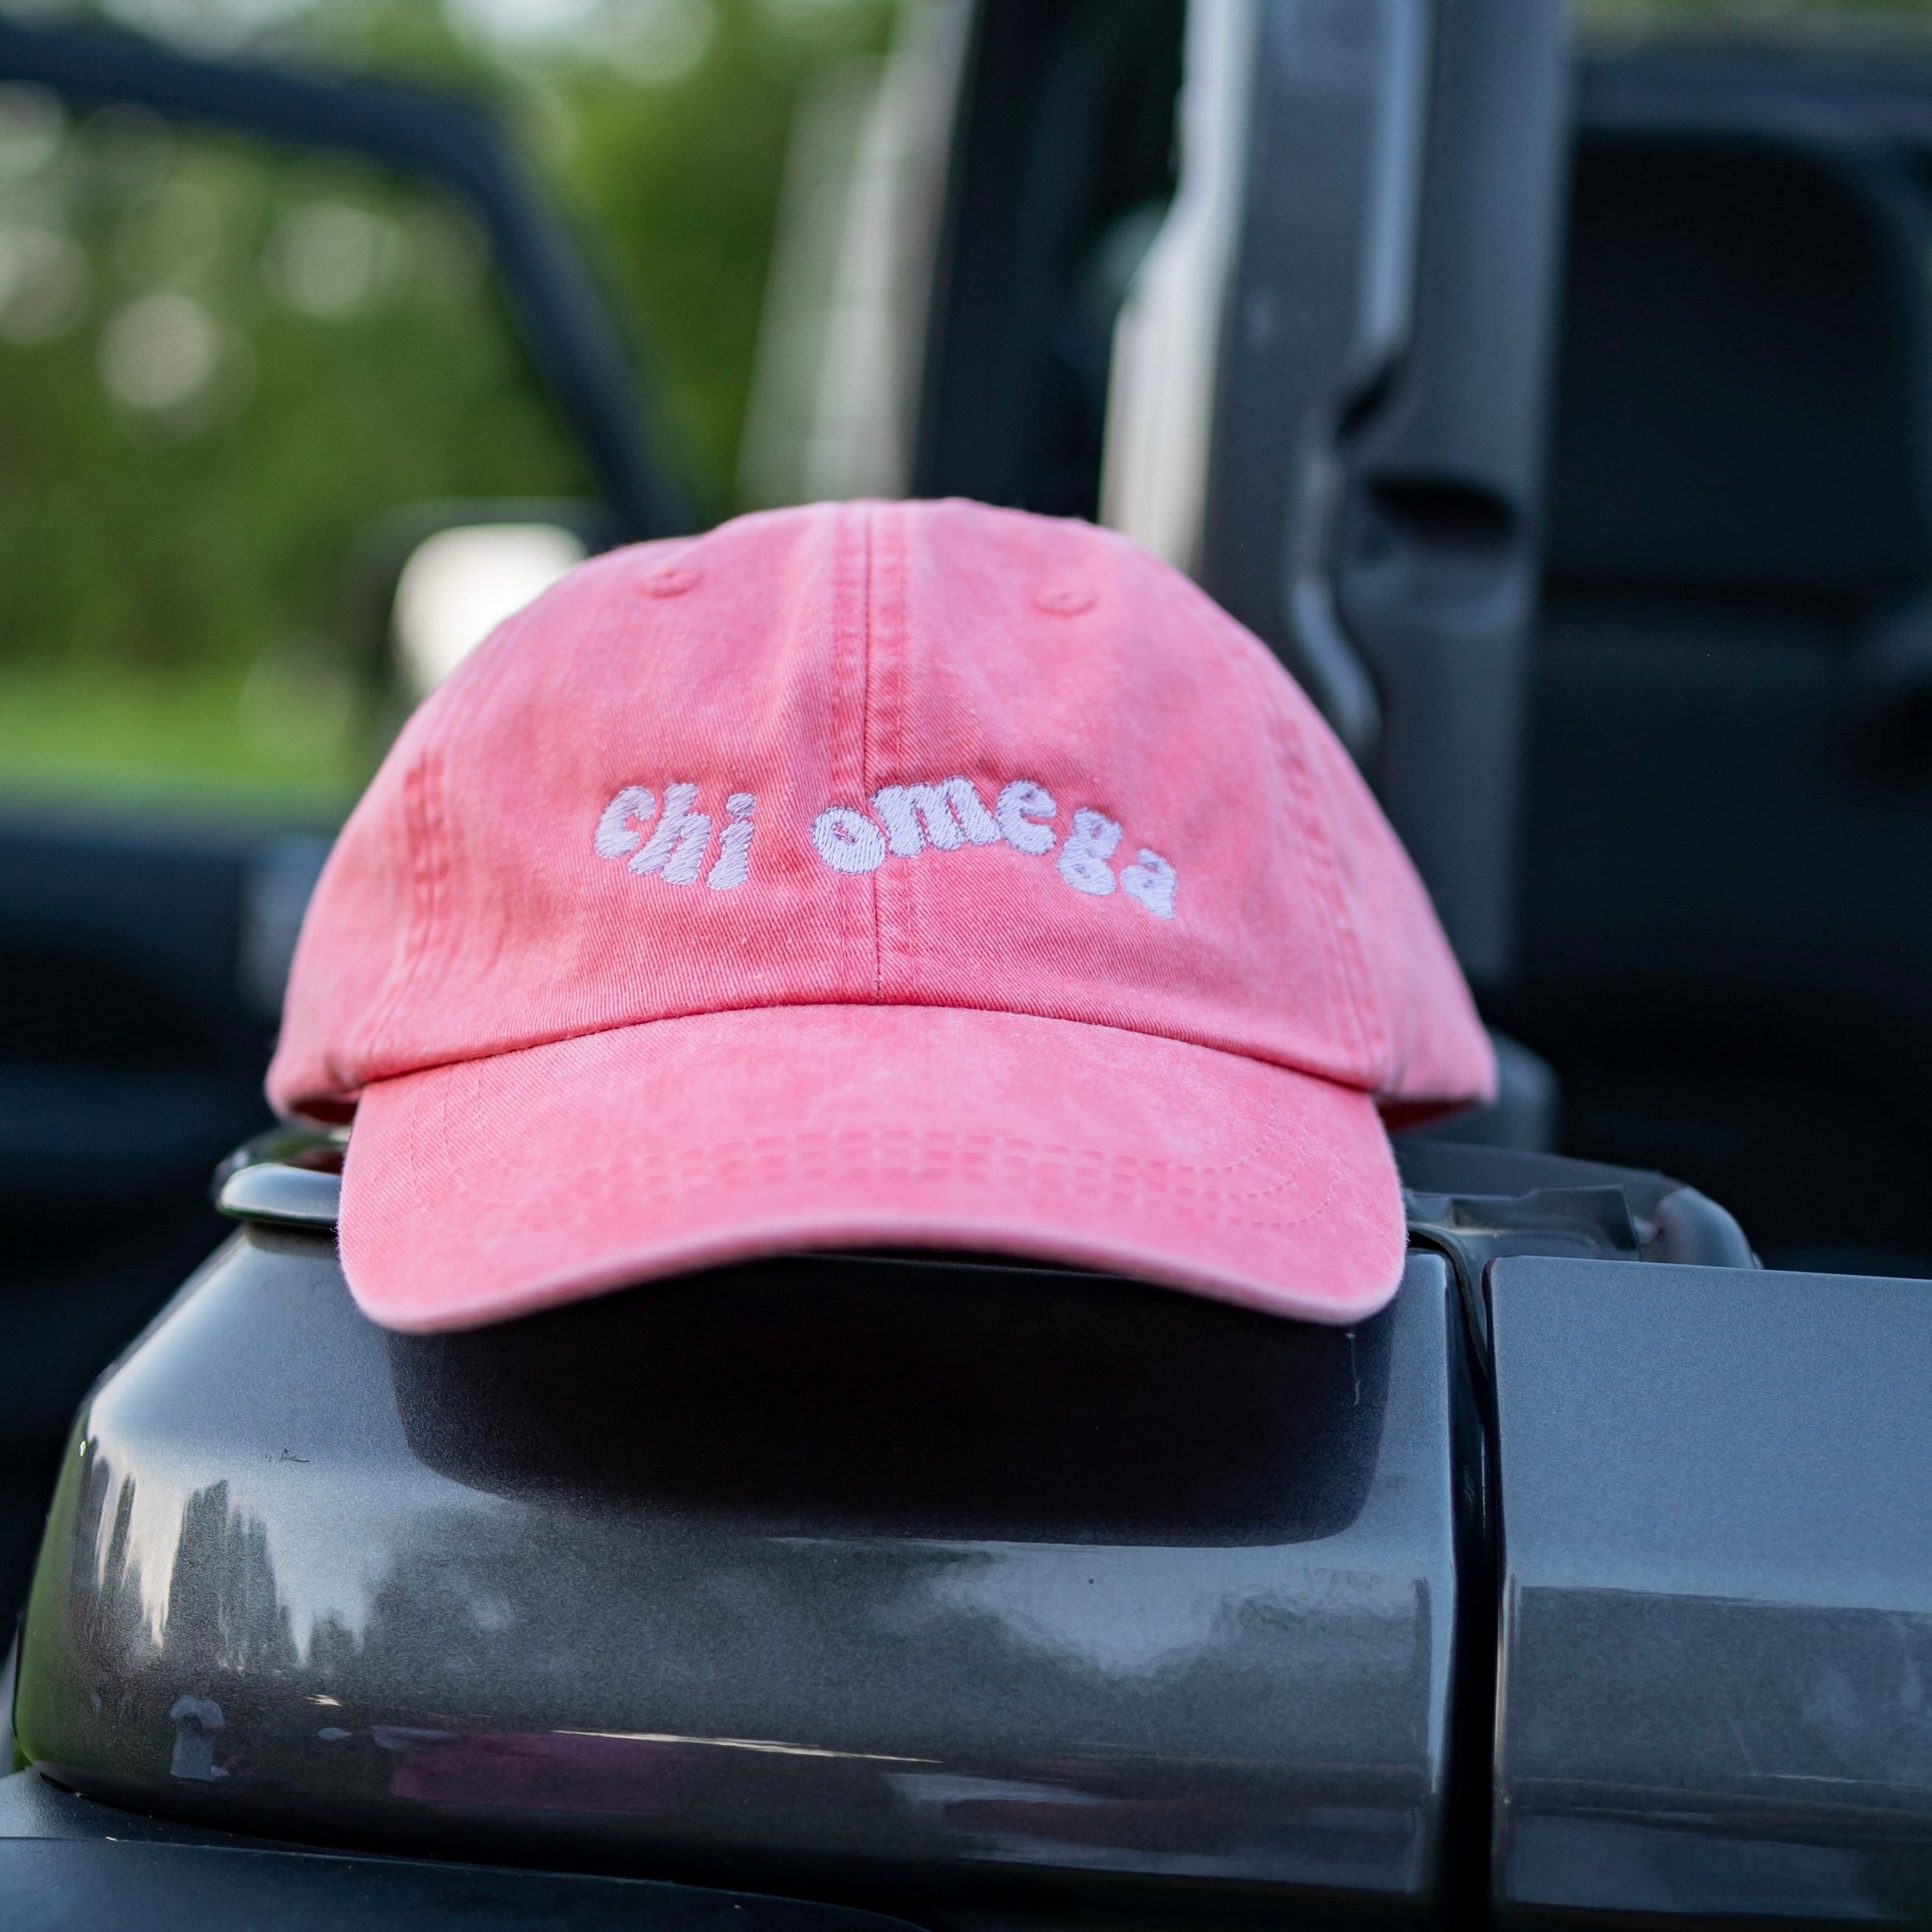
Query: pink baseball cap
[[893, 875]]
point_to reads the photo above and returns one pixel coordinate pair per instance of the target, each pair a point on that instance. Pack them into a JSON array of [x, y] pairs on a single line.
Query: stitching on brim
[[1008, 1160], [907, 1153]]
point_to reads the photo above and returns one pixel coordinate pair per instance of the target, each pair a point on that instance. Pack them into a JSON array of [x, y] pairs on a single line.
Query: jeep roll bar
[[566, 326]]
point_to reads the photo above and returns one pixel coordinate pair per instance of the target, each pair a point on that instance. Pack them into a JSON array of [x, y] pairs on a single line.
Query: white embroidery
[[1151, 884], [945, 816], [950, 813], [954, 813], [677, 848], [1083, 860], [847, 840], [616, 836], [734, 844], [1023, 805]]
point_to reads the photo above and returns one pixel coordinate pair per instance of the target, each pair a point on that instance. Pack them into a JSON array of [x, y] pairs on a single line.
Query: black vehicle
[[1559, 419]]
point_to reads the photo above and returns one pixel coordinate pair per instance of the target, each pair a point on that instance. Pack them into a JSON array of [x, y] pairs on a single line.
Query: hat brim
[[492, 1188]]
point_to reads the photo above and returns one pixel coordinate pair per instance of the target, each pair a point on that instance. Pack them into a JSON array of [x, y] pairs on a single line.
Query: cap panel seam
[[1241, 647], [429, 858], [1359, 981], [851, 699], [867, 728], [421, 788], [1365, 1007], [1363, 1003], [899, 885], [1317, 867]]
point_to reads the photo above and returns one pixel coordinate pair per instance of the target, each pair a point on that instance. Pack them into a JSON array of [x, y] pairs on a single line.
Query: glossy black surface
[[281, 1195], [68, 1885], [1476, 1204], [1716, 1696], [877, 1573]]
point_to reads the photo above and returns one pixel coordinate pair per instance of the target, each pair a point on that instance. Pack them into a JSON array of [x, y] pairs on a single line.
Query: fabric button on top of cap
[[672, 580], [1064, 600]]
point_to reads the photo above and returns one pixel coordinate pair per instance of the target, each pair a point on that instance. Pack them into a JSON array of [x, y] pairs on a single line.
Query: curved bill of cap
[[491, 1188]]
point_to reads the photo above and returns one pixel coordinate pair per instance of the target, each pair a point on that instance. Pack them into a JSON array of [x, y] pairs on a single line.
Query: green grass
[[214, 736]]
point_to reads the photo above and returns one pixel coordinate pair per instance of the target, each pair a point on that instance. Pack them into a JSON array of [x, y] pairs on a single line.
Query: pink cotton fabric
[[566, 1074]]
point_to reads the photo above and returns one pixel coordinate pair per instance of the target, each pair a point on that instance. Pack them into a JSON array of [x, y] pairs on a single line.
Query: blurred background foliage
[[222, 363]]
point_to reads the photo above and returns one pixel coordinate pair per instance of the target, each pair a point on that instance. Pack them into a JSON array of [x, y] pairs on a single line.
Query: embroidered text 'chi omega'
[[679, 842], [947, 814], [944, 814]]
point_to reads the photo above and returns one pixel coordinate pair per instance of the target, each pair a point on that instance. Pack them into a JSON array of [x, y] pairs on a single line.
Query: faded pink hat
[[871, 874]]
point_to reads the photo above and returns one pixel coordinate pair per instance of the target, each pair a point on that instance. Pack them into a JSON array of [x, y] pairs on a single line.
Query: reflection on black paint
[[224, 1612], [109, 1605], [841, 1560]]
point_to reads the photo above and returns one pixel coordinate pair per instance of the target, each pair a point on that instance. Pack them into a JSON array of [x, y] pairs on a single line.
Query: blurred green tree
[[219, 361]]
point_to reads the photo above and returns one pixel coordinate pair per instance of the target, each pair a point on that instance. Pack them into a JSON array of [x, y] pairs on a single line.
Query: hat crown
[[902, 755]]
